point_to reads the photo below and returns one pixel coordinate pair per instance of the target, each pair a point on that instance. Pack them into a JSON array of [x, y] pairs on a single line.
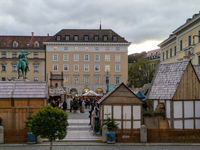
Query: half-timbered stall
[[176, 87], [123, 106], [18, 100]]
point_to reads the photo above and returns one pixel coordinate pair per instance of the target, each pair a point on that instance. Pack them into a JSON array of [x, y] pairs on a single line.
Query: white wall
[[155, 104], [189, 124], [126, 112], [127, 124], [178, 124], [136, 124], [136, 112], [177, 109], [197, 123], [167, 109], [107, 110], [117, 112], [188, 109], [197, 108]]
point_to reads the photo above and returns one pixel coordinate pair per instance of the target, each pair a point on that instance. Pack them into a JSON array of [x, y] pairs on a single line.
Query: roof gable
[[167, 79]]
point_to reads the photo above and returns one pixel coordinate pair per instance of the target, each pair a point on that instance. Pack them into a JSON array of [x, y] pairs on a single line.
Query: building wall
[[9, 61]]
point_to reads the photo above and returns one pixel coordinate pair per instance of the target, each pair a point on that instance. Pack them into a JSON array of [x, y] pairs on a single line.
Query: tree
[[48, 122], [140, 72]]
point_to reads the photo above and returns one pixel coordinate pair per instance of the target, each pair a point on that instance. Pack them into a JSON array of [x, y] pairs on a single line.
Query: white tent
[[90, 93]]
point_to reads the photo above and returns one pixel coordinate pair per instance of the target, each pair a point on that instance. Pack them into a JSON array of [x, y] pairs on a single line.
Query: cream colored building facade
[[183, 43], [10, 48], [89, 59]]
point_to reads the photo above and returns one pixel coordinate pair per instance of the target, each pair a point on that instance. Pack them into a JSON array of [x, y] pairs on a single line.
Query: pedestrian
[[92, 118], [64, 106], [70, 105], [90, 115]]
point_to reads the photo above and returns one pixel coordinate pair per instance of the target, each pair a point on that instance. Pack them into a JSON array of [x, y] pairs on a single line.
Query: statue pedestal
[[22, 80]]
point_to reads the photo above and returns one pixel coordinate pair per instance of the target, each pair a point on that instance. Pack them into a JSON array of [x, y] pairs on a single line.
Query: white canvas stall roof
[[167, 79], [23, 89], [90, 93], [56, 91]]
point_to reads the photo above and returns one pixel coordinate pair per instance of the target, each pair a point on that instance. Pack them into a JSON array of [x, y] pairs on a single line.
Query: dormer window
[[105, 38], [36, 44], [96, 38], [86, 38], [67, 37], [75, 37], [15, 44], [114, 38], [58, 37]]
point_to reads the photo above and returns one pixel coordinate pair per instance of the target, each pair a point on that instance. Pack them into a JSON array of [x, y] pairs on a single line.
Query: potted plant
[[112, 125], [75, 105]]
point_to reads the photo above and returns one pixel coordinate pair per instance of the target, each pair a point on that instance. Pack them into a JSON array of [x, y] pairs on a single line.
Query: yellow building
[[183, 43], [86, 59], [10, 48]]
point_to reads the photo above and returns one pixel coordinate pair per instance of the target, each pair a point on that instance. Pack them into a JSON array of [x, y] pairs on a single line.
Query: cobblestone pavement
[[102, 147], [84, 115]]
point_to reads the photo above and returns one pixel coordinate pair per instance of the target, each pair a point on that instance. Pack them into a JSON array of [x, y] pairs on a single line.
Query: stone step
[[78, 128], [78, 124]]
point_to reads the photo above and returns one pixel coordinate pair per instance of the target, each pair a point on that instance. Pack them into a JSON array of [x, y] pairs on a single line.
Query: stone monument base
[[22, 80]]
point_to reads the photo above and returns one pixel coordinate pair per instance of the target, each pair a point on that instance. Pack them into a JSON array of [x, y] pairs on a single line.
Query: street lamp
[[143, 71], [194, 37]]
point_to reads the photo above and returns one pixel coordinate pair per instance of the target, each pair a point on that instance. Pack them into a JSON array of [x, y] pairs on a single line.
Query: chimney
[[48, 34], [32, 34]]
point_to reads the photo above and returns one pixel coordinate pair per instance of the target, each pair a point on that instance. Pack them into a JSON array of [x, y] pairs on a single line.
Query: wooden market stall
[[123, 105]]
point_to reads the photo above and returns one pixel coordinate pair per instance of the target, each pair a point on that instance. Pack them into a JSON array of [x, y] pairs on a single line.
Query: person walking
[[64, 106]]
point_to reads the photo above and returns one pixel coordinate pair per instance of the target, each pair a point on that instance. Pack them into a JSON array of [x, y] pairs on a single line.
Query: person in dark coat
[[64, 106]]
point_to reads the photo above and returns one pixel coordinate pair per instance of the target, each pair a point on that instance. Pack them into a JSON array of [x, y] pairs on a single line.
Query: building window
[[36, 55], [36, 44], [115, 38], [55, 48], [86, 68], [181, 45], [26, 56], [55, 57], [58, 37], [117, 68], [14, 67], [14, 55], [86, 79], [76, 57], [65, 67], [35, 78], [3, 67], [174, 50], [65, 48], [189, 40], [117, 57], [105, 38], [66, 80], [96, 38], [167, 54], [67, 37], [3, 78], [35, 67], [198, 59], [3, 54], [107, 80], [117, 48], [86, 57], [76, 48], [107, 48], [15, 44], [163, 55], [65, 57], [55, 67], [96, 57], [86, 48], [76, 79], [96, 48], [86, 37], [76, 67], [96, 68], [75, 37], [199, 36], [107, 57], [170, 52], [96, 80], [117, 80], [107, 68]]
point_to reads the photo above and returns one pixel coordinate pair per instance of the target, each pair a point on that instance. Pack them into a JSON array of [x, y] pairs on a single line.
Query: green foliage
[[48, 122], [139, 77], [75, 104], [111, 123]]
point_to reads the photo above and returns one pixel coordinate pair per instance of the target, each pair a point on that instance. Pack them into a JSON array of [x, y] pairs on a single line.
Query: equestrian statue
[[23, 64]]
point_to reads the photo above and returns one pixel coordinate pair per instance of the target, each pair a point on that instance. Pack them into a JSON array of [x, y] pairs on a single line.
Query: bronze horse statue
[[21, 65]]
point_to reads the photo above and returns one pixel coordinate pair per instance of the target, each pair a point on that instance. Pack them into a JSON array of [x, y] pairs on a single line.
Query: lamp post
[[194, 37], [107, 81], [143, 71]]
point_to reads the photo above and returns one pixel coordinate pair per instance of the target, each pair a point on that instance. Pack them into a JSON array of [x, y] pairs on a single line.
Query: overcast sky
[[140, 21]]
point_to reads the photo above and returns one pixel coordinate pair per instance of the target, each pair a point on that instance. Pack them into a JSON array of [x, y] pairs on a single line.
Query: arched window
[[36, 44], [15, 44], [86, 90]]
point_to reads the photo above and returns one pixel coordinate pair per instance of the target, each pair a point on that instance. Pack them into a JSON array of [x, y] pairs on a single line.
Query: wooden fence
[[173, 135], [127, 135], [15, 135]]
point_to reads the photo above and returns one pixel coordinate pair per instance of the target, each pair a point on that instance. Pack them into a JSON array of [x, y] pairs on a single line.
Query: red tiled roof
[[23, 41], [90, 32]]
